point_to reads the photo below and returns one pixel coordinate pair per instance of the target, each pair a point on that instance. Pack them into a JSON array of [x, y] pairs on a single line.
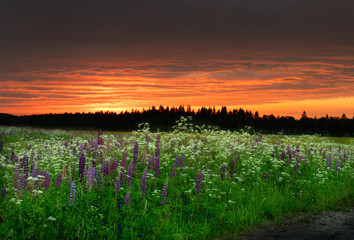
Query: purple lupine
[[123, 164], [74, 151], [266, 176], [232, 167], [25, 166], [104, 168], [3, 193], [164, 193], [338, 164], [127, 199], [15, 176], [21, 186], [330, 161], [72, 193], [295, 168], [288, 159], [143, 183], [158, 138], [157, 167], [118, 184], [150, 163], [94, 147], [135, 158], [46, 182], [99, 138], [130, 174], [282, 155], [173, 173], [58, 181], [111, 167], [82, 164], [178, 161], [222, 174], [91, 174], [182, 160], [199, 182]]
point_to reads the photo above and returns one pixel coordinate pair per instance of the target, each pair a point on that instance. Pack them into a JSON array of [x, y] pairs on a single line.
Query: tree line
[[163, 118]]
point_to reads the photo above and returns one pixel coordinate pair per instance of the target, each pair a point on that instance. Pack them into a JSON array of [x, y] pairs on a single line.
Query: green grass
[[222, 207]]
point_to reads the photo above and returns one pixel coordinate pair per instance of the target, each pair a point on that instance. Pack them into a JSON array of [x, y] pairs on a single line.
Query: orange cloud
[[283, 84]]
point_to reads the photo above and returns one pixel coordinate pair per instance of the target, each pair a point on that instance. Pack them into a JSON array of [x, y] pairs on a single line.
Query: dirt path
[[337, 225]]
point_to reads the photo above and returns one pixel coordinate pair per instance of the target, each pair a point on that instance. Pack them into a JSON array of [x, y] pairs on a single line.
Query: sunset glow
[[284, 73]]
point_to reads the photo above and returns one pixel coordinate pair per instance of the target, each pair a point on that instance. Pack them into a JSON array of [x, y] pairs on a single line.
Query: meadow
[[195, 182]]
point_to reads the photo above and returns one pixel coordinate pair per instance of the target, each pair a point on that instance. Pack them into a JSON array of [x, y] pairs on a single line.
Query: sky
[[276, 56]]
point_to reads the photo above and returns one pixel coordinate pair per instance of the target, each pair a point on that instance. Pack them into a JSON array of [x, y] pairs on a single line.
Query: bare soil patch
[[334, 225]]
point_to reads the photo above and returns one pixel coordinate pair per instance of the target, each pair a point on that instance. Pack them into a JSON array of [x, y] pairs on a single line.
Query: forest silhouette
[[163, 119]]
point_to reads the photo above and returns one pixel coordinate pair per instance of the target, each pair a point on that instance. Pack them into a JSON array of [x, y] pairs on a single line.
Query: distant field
[[192, 183]]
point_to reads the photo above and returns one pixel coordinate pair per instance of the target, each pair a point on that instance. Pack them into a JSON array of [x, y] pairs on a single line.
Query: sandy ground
[[336, 225]]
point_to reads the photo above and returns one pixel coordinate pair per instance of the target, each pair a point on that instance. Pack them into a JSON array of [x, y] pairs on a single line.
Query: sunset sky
[[274, 56]]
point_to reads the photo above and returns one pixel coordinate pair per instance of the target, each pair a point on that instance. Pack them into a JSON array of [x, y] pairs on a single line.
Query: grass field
[[192, 183]]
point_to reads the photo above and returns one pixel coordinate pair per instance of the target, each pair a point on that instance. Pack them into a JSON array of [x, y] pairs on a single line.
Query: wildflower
[[82, 163], [164, 193], [338, 164], [143, 183], [199, 182], [15, 177], [46, 182], [173, 173], [123, 163], [232, 167], [21, 186], [3, 193], [58, 182], [150, 163], [222, 174], [72, 193], [91, 174], [104, 168], [99, 137], [52, 218], [130, 174], [127, 199]]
